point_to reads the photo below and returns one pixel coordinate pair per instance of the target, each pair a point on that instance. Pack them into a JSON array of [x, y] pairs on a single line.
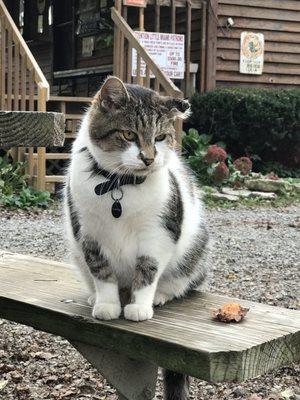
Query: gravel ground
[[256, 257]]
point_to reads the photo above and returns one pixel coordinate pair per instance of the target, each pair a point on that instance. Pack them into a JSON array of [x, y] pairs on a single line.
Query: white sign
[[252, 53], [166, 49]]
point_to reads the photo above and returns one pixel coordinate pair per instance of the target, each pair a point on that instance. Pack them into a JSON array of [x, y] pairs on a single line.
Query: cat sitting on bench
[[133, 211]]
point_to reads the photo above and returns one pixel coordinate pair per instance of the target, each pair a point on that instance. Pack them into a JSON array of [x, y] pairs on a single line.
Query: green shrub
[[14, 190], [263, 124]]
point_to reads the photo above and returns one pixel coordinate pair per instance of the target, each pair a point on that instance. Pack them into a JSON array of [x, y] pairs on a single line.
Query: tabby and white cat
[[134, 216], [158, 244]]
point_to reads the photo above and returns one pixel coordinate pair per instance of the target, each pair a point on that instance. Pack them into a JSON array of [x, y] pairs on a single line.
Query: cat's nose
[[148, 161], [147, 156]]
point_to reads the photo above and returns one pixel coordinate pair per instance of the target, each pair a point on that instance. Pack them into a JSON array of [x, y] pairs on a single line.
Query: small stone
[[239, 391], [268, 185], [3, 383], [288, 394], [236, 192], [296, 187], [263, 195], [210, 389], [51, 379], [222, 196], [16, 376]]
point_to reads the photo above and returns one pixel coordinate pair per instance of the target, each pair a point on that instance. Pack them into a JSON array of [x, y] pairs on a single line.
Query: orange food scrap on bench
[[230, 312]]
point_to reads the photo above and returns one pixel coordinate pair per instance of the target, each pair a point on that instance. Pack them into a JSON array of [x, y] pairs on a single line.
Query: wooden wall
[[279, 21]]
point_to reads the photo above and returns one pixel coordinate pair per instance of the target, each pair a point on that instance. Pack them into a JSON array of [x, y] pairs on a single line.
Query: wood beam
[[31, 128]]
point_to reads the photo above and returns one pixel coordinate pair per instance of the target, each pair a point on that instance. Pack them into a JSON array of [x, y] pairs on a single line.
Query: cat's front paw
[[106, 311], [138, 312]]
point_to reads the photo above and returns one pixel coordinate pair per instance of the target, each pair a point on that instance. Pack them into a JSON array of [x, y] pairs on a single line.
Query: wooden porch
[[24, 87]]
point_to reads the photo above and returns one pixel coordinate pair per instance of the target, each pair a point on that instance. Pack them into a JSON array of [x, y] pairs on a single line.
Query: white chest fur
[[121, 238]]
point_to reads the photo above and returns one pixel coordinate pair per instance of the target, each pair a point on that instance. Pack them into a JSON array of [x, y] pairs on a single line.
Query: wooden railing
[[154, 76], [21, 81]]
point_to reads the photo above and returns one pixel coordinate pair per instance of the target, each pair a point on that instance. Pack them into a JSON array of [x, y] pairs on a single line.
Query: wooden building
[[279, 21], [54, 54], [72, 40]]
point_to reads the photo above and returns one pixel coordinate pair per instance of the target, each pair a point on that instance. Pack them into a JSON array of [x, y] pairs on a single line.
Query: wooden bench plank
[[31, 128], [182, 336]]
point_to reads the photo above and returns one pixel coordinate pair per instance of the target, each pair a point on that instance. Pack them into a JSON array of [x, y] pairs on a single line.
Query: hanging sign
[[252, 53], [166, 49], [135, 3]]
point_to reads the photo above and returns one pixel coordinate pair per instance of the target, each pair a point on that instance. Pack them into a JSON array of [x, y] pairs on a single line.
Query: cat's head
[[131, 128]]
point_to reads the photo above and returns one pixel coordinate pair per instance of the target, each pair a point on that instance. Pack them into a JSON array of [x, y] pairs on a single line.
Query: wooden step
[[53, 156], [74, 116], [57, 156], [55, 178], [71, 99], [52, 178]]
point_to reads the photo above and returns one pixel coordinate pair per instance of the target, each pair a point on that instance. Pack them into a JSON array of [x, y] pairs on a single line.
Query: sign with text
[[252, 53], [135, 3], [166, 49]]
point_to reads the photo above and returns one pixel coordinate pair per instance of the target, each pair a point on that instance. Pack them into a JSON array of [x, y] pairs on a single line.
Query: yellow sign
[[252, 53]]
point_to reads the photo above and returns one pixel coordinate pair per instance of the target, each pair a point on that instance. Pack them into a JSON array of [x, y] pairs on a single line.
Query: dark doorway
[[64, 35]]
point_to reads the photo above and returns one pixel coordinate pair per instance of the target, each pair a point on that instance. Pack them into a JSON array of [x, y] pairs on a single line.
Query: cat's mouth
[[144, 170]]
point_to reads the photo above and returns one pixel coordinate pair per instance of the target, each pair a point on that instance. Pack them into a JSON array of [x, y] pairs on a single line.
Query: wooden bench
[[182, 336]]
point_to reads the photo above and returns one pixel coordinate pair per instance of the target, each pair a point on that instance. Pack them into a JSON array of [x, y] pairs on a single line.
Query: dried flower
[[243, 164], [215, 154], [230, 312], [221, 172]]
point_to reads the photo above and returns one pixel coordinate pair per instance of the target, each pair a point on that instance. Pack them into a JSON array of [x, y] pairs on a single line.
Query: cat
[[133, 211]]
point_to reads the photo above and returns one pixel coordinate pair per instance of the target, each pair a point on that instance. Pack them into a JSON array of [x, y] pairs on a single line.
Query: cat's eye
[[130, 136], [160, 138]]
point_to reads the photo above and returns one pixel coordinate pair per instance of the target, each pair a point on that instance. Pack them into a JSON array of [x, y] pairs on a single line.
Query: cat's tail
[[176, 386]]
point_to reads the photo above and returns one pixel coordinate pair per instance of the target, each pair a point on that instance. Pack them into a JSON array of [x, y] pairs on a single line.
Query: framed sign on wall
[[252, 53]]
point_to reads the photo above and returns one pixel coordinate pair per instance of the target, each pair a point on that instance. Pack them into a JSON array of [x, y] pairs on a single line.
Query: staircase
[[24, 87]]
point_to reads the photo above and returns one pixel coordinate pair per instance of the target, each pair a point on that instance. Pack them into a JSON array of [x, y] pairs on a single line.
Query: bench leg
[[134, 380]]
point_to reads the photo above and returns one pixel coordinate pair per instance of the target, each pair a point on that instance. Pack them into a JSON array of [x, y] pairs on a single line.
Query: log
[[31, 128]]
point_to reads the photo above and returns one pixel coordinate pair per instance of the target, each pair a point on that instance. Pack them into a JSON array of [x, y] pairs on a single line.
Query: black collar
[[114, 180]]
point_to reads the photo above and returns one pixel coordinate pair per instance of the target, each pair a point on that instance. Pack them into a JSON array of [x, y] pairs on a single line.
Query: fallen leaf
[[230, 312]]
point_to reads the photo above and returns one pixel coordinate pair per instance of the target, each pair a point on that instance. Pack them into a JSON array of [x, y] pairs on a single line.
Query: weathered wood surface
[[182, 336], [25, 128], [279, 21]]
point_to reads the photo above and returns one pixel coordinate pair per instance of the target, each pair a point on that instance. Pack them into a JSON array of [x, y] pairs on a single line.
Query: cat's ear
[[178, 108], [112, 94]]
